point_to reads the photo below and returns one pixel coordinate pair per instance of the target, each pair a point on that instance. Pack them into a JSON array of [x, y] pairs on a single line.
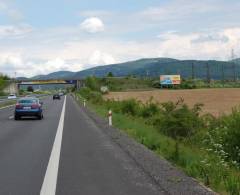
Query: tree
[[30, 89], [110, 74], [92, 83]]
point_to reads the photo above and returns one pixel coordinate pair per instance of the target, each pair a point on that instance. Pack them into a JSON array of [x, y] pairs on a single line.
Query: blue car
[[28, 106]]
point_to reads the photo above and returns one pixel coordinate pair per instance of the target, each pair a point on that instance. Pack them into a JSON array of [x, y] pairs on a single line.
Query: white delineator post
[[110, 118], [84, 103]]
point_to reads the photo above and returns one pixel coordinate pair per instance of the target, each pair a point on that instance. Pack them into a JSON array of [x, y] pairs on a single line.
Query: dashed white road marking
[[10, 117], [50, 179]]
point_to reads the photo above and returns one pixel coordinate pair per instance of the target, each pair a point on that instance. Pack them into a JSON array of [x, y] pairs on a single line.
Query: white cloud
[[187, 9], [200, 45], [29, 59], [17, 30], [10, 10], [93, 25], [100, 58]]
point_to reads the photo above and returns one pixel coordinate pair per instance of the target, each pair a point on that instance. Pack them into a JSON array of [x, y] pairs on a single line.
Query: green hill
[[153, 67], [237, 60], [54, 75], [124, 69]]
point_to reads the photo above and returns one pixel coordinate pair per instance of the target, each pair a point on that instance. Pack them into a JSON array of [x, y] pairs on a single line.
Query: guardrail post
[[110, 118]]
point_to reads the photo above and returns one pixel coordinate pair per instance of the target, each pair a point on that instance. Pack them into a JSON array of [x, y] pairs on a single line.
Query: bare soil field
[[216, 101]]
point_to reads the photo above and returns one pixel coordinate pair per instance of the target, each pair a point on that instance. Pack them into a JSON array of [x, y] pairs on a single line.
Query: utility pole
[[193, 72], [208, 74], [223, 75], [147, 74], [233, 64]]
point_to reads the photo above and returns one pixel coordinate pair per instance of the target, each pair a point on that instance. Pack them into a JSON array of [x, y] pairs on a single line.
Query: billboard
[[170, 79]]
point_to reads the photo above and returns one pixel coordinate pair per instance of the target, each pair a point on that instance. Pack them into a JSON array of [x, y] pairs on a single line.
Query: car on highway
[[12, 97], [56, 97], [61, 93], [28, 106]]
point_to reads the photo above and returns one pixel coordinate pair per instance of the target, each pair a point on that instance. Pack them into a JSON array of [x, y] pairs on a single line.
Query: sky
[[39, 37]]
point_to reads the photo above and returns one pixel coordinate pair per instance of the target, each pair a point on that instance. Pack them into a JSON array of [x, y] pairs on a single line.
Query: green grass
[[8, 103]]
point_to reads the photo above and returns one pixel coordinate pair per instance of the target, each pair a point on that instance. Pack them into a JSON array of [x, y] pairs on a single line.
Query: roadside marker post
[[84, 103], [110, 118]]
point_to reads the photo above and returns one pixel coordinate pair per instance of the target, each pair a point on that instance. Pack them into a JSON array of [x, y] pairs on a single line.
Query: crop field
[[216, 101]]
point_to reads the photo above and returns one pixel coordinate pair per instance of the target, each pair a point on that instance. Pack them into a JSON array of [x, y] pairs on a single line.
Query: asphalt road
[[89, 163]]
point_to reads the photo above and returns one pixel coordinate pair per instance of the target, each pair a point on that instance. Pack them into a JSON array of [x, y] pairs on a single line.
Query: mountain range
[[153, 67]]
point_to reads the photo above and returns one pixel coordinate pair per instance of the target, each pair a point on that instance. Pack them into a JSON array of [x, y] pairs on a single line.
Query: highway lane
[[25, 147], [92, 164]]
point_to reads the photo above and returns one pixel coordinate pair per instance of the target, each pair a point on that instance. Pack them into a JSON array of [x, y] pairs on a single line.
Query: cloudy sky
[[38, 37]]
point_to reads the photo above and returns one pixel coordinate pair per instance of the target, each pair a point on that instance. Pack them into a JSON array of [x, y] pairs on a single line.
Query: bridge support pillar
[[80, 84]]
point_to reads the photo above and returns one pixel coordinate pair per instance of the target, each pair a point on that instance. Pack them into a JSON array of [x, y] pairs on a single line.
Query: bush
[[85, 92], [130, 107], [188, 84], [232, 137], [156, 84], [223, 137], [230, 130], [93, 96], [113, 105], [178, 120], [149, 109], [92, 83]]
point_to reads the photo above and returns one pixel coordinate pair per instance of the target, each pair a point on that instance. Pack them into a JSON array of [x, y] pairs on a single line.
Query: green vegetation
[[132, 83], [205, 147], [3, 83], [8, 103], [198, 84], [110, 74], [118, 83]]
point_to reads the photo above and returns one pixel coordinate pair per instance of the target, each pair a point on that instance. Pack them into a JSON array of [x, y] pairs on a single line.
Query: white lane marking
[[11, 117], [50, 179]]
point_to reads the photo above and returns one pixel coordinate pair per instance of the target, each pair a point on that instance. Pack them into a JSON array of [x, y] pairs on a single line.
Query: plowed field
[[216, 101]]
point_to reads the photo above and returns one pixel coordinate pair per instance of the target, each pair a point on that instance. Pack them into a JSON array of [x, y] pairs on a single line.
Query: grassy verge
[[191, 154], [8, 103]]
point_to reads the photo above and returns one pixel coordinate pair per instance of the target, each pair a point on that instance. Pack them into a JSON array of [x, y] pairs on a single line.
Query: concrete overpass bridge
[[50, 84]]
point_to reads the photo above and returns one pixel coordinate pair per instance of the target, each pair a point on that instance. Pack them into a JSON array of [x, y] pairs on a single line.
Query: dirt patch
[[216, 101]]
